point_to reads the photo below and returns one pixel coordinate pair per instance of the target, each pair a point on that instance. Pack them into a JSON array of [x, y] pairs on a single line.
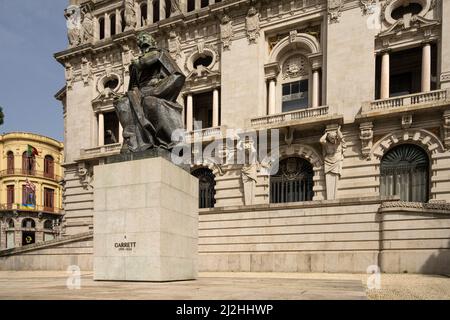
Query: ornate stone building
[[359, 90], [30, 190]]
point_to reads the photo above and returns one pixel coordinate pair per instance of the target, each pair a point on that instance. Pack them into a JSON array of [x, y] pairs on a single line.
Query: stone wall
[[55, 255], [78, 202], [328, 236]]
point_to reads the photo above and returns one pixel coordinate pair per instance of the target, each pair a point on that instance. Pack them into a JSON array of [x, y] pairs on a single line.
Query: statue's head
[[252, 11], [146, 42], [332, 137], [225, 19]]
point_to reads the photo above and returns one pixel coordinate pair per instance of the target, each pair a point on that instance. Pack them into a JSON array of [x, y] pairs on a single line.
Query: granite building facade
[[358, 89]]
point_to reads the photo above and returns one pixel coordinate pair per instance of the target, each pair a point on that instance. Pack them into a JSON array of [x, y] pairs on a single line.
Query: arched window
[[293, 182], [10, 162], [144, 14], [28, 224], [405, 173], [112, 19], [28, 163], [206, 187], [11, 224], [49, 166], [101, 25], [48, 225]]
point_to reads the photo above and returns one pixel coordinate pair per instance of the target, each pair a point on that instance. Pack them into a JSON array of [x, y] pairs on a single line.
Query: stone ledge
[[432, 207], [300, 205]]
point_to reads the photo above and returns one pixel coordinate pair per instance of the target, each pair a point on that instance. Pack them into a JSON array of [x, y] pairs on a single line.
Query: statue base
[[145, 221]]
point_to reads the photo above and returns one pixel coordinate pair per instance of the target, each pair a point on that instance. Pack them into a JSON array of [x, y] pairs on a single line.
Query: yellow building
[[30, 188]]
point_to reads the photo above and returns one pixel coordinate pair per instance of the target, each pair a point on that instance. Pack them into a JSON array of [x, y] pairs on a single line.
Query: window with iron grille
[[206, 187], [405, 173], [293, 182]]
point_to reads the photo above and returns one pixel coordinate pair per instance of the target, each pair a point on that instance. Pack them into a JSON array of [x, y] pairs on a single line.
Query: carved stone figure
[[149, 112], [130, 15], [334, 10], [73, 17], [366, 137], [226, 31], [174, 44], [446, 129], [88, 28], [252, 23], [367, 6], [333, 145]]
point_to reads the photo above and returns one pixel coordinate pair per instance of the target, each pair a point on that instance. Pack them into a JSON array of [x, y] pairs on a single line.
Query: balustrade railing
[[406, 100], [116, 147], [289, 116]]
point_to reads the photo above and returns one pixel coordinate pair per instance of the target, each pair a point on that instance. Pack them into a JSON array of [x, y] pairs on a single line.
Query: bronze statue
[[149, 112]]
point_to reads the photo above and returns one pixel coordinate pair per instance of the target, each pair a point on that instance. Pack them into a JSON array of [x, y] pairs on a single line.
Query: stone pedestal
[[145, 222]]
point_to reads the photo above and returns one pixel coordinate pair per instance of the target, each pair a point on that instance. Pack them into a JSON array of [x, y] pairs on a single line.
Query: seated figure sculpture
[[149, 113]]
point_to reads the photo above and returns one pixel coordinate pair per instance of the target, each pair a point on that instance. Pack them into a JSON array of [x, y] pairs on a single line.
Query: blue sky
[[31, 31]]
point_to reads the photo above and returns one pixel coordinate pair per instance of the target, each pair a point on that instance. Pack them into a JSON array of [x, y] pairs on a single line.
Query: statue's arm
[[133, 77], [323, 140]]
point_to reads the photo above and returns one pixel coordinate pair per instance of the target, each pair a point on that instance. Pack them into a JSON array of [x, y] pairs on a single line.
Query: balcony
[[410, 102], [101, 151], [30, 173], [304, 116], [207, 134], [19, 207]]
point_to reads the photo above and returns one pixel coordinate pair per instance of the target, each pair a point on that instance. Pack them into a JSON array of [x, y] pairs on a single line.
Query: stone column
[[198, 4], [272, 96], [162, 10], [426, 68], [149, 12], [101, 129], [183, 5], [385, 76], [107, 26], [137, 9], [216, 107], [96, 29], [190, 113], [316, 89], [118, 22], [120, 133], [17, 193]]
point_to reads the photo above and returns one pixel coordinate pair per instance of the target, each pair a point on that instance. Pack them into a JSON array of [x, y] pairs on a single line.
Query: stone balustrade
[[110, 148], [289, 116], [204, 134], [411, 99]]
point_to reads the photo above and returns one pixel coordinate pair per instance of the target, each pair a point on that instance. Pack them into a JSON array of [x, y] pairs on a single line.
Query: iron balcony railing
[[31, 173]]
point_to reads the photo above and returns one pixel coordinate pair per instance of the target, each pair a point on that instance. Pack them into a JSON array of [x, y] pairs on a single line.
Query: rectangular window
[[49, 199], [203, 109], [10, 196], [295, 95], [111, 128]]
